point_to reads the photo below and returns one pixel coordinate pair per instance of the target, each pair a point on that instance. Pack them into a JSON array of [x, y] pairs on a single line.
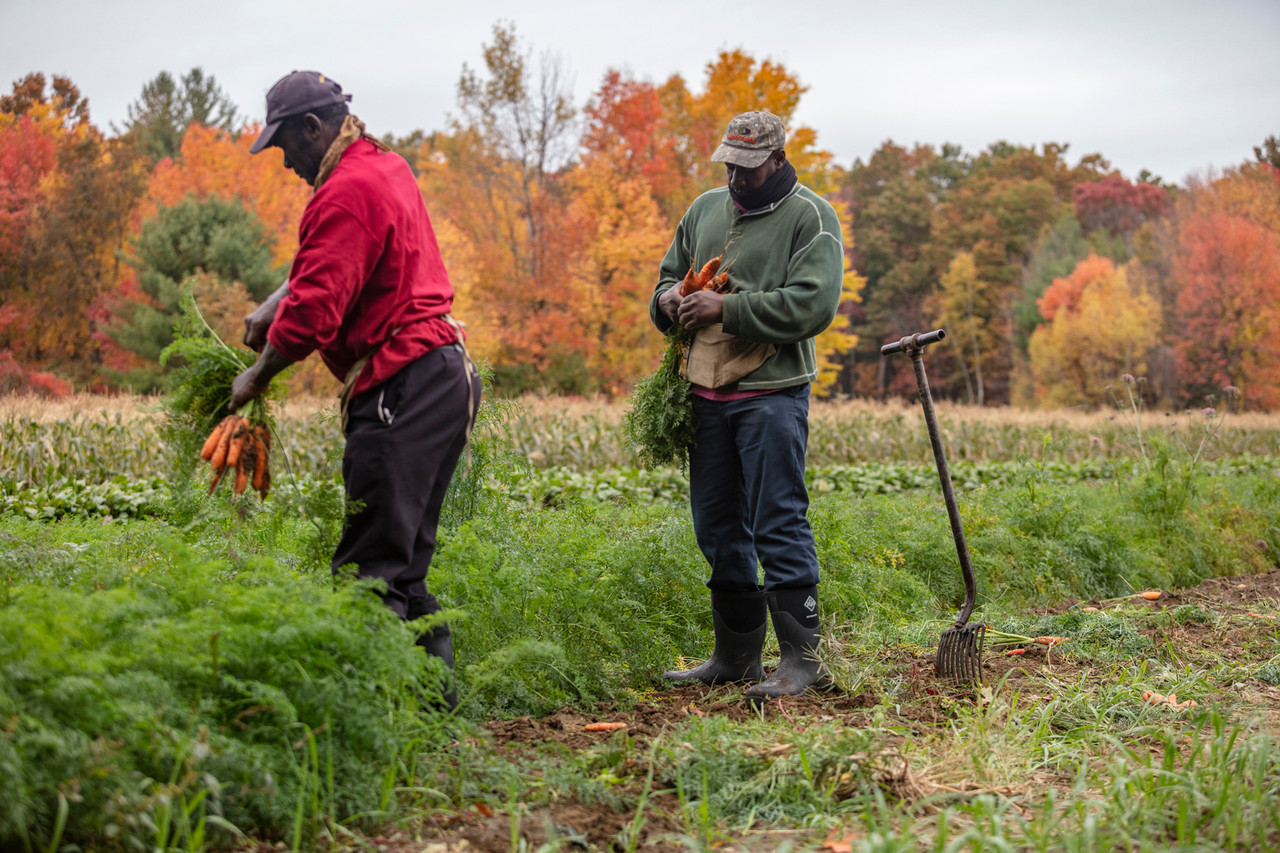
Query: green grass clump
[[735, 775]]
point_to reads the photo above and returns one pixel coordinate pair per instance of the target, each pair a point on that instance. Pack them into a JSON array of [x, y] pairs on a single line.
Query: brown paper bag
[[716, 358]]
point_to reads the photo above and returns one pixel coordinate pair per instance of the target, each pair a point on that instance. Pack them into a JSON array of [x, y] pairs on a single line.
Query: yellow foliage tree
[[836, 339], [1097, 328], [963, 305]]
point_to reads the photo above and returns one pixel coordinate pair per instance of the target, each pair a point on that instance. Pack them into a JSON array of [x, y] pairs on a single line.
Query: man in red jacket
[[369, 291]]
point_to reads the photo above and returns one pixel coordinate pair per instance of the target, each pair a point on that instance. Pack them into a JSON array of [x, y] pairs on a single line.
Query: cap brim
[[264, 138], [747, 158]]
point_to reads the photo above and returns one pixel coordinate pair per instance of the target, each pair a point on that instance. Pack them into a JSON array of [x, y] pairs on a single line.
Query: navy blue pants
[[404, 439], [747, 492]]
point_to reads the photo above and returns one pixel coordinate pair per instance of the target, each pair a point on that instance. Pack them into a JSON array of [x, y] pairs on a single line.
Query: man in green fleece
[[781, 246]]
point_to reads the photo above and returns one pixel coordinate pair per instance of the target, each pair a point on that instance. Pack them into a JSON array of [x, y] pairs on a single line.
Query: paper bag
[[716, 358]]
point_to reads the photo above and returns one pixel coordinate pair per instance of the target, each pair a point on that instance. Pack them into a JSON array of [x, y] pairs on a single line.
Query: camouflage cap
[[750, 139]]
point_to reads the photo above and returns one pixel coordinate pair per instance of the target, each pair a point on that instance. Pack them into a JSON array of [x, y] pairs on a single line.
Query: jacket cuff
[[291, 350], [730, 315]]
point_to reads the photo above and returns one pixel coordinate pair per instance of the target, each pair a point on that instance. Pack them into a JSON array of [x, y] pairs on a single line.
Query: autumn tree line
[[1053, 278]]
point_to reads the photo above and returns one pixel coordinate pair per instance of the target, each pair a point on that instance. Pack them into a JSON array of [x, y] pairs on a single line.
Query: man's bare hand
[[253, 380], [699, 309], [257, 322], [669, 303], [245, 387], [256, 325]]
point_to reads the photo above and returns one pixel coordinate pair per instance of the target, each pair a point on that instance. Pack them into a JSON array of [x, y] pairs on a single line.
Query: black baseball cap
[[294, 94]]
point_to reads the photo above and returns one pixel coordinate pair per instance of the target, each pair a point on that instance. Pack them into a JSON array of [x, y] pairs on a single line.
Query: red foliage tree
[[1228, 310], [1116, 205], [26, 155], [627, 125]]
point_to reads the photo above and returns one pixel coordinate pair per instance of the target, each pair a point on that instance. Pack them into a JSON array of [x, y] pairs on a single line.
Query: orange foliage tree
[[612, 275], [628, 126], [215, 162]]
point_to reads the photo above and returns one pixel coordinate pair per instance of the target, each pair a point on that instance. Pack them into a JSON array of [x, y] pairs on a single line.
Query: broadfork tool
[[960, 649]]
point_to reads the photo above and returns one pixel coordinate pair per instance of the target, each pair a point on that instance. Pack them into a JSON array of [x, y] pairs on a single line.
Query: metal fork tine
[[960, 653]]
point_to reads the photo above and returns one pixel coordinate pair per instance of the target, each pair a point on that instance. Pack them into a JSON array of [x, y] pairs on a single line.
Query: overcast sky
[[1176, 86]]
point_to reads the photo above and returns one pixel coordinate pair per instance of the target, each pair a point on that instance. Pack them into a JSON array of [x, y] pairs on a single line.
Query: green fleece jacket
[[786, 266]]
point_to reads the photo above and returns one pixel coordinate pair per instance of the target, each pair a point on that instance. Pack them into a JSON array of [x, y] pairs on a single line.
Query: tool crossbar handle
[[915, 342]]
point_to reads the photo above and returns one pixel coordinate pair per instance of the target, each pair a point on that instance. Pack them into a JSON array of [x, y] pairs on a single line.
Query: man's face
[[303, 146], [741, 178]]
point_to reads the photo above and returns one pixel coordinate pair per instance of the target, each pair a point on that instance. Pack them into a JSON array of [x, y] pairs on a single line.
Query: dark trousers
[[747, 492], [404, 439]]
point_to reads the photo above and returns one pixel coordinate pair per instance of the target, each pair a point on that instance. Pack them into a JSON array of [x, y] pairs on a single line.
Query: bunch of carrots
[[238, 445], [705, 279]]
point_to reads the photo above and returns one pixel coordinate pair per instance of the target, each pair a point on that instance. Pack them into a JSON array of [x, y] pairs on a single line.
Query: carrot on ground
[[603, 727], [1151, 594]]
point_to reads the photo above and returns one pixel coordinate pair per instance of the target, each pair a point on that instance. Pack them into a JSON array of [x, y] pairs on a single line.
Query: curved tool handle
[[912, 343]]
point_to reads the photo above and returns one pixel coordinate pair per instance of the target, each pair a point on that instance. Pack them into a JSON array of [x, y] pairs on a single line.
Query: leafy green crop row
[[120, 498], [556, 487]]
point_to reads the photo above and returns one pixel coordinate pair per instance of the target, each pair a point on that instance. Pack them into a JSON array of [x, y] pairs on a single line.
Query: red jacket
[[367, 264]]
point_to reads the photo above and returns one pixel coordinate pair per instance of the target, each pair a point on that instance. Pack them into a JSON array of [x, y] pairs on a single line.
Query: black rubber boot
[[795, 621], [740, 625], [438, 642]]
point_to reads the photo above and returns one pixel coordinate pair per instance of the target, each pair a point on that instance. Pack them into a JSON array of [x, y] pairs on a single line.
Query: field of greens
[[181, 671]]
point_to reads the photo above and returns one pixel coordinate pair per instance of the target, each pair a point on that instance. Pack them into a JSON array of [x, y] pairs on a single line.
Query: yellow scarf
[[352, 129]]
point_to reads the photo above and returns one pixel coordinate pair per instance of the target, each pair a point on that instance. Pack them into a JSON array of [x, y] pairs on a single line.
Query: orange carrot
[[211, 443], [263, 432], [1051, 641], [236, 448], [1016, 652], [218, 473], [243, 467], [603, 727], [219, 458], [260, 464], [708, 272], [1151, 594], [690, 283]]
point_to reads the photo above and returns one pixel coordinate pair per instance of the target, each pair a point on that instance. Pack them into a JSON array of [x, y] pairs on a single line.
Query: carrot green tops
[[785, 264]]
